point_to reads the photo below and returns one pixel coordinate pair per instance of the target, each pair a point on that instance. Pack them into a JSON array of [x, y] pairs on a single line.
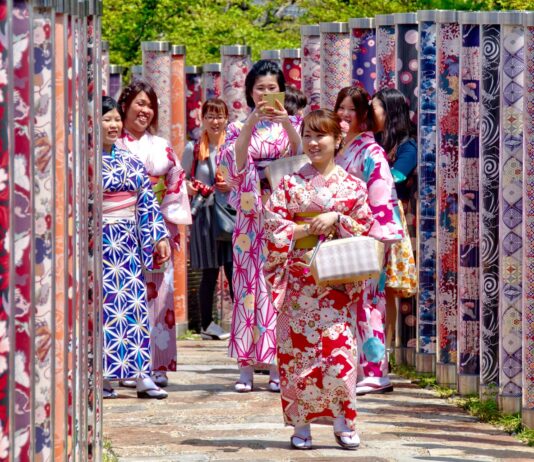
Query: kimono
[[366, 160], [132, 224], [317, 348], [253, 336], [166, 175]]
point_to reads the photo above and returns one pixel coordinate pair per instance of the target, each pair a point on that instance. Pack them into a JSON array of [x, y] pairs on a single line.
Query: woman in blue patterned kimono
[[134, 235]]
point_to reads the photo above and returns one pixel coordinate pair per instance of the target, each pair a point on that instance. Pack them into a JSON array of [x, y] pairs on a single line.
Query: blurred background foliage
[[204, 25]]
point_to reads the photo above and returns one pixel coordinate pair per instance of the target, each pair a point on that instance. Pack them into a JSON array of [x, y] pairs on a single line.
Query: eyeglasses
[[210, 118]]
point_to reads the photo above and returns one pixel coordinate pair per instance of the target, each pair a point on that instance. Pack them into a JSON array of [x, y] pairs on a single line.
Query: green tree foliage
[[204, 25]]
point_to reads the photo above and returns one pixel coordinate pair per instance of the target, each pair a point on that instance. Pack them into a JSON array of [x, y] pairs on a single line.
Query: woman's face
[[140, 114], [347, 113], [214, 123], [264, 84], [111, 127], [319, 147], [379, 114]]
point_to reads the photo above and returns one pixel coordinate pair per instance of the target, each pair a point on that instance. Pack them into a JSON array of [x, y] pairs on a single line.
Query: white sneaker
[[214, 332]]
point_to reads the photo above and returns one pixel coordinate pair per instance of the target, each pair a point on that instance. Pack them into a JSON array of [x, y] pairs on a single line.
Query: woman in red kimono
[[317, 354]]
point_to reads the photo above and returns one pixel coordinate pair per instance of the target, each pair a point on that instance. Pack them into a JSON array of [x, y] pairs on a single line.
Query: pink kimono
[[167, 176], [253, 337], [366, 160]]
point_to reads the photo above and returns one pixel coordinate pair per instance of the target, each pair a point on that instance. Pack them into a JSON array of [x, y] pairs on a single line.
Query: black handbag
[[224, 217]]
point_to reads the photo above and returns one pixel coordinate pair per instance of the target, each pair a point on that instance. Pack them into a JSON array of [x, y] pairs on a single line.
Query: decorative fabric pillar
[[105, 68], [363, 48], [489, 201], [335, 61], [511, 210], [447, 196], [310, 39], [468, 206], [211, 81], [157, 72], [407, 39], [272, 55], [426, 174], [528, 277], [136, 72], [178, 92], [115, 81], [291, 66], [193, 102], [235, 66], [386, 59]]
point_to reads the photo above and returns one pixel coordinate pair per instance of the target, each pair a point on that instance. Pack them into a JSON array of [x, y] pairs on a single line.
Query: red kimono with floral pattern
[[317, 353]]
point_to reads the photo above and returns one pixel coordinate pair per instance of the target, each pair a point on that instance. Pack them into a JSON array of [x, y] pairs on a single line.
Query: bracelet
[[338, 218]]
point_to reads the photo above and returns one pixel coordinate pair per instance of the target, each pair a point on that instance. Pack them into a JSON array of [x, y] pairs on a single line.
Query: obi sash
[[119, 204], [308, 242]]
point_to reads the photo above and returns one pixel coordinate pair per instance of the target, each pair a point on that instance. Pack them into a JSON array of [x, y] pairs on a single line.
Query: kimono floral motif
[[127, 248], [253, 323], [317, 353], [366, 160], [161, 163]]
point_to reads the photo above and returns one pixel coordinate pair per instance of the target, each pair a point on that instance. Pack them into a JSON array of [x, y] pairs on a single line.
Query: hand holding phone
[[271, 98]]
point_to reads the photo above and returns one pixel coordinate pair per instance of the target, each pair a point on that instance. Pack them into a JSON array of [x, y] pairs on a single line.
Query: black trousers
[[206, 291]]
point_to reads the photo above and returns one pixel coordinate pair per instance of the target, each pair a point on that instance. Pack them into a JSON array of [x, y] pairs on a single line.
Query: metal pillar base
[[425, 363], [400, 358], [181, 328], [527, 417], [509, 404], [446, 375], [405, 356], [410, 356], [488, 391], [468, 384]]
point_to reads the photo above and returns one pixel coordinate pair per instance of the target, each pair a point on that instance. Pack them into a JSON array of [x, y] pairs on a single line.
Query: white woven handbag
[[345, 260], [284, 166]]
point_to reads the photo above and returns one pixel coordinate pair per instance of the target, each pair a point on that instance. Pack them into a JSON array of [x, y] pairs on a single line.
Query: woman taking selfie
[[317, 348], [133, 230], [204, 185], [266, 135]]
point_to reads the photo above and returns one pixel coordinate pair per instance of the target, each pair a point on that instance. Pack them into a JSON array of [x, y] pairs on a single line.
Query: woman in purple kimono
[[266, 135]]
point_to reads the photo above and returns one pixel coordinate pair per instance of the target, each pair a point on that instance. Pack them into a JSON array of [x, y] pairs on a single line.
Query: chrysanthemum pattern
[[386, 61], [335, 66], [363, 47], [234, 72]]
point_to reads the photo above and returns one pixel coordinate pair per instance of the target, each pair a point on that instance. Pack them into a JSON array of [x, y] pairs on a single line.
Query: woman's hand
[[222, 186], [278, 115], [191, 190], [163, 251], [323, 224]]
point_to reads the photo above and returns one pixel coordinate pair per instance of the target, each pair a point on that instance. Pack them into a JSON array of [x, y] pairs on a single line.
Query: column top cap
[[427, 15], [334, 27], [469, 17], [384, 20], [155, 46], [512, 18], [446, 16], [312, 29], [290, 53], [177, 49], [235, 50], [528, 19], [270, 54], [193, 69], [490, 17], [212, 67], [116, 69], [405, 18], [136, 69], [362, 23]]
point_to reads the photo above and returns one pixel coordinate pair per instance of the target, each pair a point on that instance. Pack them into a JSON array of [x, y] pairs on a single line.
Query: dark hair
[[259, 69], [216, 105], [108, 104], [295, 100], [130, 92], [323, 121], [360, 99], [397, 127]]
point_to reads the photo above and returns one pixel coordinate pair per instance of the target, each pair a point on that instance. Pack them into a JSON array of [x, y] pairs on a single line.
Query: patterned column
[[105, 68], [426, 174], [363, 48], [386, 59], [291, 66], [468, 206], [157, 72], [235, 66], [489, 202], [272, 55], [511, 210], [211, 81], [193, 101], [528, 277], [178, 92], [310, 40], [447, 196], [335, 61], [407, 39], [115, 81], [136, 72]]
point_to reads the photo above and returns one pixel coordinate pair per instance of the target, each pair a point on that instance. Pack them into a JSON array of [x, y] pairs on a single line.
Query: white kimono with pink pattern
[[253, 333]]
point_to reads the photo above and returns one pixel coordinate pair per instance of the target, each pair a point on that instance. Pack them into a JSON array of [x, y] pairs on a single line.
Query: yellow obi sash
[[308, 242]]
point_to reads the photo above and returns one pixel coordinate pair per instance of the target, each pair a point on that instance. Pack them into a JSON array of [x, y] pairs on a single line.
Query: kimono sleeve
[[405, 161], [226, 158], [359, 218]]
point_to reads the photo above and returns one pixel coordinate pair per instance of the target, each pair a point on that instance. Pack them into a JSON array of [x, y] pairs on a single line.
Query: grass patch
[[486, 410], [108, 454], [189, 335]]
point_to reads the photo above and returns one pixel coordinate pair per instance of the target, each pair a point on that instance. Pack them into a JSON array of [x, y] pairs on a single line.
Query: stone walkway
[[204, 420]]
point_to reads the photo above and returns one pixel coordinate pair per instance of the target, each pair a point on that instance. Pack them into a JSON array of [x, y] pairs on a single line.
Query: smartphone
[[272, 97]]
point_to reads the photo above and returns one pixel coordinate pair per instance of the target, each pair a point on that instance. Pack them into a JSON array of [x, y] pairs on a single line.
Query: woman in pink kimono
[[363, 157], [267, 134], [139, 111], [317, 348]]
